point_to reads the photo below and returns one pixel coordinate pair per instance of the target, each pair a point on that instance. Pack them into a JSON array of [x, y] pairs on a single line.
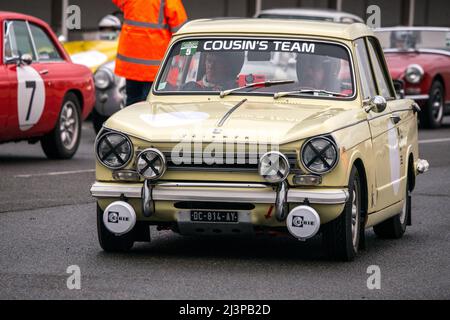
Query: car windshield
[[215, 65], [413, 39]]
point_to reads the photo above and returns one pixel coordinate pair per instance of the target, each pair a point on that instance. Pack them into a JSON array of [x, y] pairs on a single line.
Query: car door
[[5, 88], [380, 129], [55, 72], [28, 88], [399, 110]]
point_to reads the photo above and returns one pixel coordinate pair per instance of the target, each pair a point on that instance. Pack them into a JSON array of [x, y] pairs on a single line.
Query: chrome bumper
[[417, 97], [218, 192]]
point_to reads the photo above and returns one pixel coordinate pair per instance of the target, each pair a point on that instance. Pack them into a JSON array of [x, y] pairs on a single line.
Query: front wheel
[[63, 141], [433, 114], [341, 236]]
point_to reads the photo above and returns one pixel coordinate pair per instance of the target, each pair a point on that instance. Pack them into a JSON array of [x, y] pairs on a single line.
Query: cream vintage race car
[[257, 126]]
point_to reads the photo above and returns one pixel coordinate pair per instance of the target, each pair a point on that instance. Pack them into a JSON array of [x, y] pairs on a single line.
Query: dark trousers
[[137, 91]]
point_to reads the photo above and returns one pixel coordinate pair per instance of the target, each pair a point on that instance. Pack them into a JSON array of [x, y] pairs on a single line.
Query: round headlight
[[151, 164], [103, 79], [414, 73], [274, 166], [114, 150], [319, 155]]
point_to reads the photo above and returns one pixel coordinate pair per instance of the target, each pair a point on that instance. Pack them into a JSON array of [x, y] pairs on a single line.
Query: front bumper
[[418, 97], [162, 202], [218, 192]]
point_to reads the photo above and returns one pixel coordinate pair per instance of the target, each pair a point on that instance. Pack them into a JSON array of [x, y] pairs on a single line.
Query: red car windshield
[[414, 39]]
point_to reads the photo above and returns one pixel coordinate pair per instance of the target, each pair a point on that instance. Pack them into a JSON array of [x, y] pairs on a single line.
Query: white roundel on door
[[30, 97]]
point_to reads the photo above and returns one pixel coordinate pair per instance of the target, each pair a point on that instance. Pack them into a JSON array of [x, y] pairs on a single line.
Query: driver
[[318, 72], [221, 70], [109, 27], [403, 40]]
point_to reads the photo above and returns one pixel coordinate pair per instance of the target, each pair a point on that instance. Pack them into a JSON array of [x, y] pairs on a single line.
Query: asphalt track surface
[[47, 223]]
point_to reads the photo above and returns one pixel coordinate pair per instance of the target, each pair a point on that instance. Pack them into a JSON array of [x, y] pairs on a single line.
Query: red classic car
[[419, 59], [44, 95]]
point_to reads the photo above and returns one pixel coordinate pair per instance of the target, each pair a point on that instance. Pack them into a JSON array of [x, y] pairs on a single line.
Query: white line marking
[[434, 140], [52, 173]]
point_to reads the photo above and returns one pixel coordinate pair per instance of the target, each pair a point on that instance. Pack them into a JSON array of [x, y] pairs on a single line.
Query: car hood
[[398, 62], [92, 54], [251, 122]]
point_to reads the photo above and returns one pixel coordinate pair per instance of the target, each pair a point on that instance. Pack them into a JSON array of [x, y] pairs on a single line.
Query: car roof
[[326, 13], [5, 15], [276, 26]]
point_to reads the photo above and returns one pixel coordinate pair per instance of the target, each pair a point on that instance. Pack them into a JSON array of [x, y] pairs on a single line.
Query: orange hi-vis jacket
[[146, 32]]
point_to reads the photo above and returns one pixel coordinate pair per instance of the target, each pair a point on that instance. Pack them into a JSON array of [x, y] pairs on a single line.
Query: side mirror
[[26, 59], [376, 104]]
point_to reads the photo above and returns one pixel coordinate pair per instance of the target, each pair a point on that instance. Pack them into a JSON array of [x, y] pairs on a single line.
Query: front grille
[[223, 162]]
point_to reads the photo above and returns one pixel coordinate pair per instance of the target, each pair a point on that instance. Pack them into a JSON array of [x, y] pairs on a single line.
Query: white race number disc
[[30, 97]]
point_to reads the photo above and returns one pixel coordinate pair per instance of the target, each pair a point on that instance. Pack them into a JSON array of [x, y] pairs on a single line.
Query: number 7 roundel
[[30, 97]]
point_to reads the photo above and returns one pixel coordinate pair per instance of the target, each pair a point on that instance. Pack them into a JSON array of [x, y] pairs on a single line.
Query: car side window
[[46, 50], [22, 43], [367, 80], [379, 70], [7, 41]]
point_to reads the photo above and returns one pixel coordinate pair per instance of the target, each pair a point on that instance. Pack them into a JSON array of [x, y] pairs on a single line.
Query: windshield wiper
[[302, 91], [261, 84]]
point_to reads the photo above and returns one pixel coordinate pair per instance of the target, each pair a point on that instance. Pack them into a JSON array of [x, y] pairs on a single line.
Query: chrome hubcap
[[355, 218], [68, 125]]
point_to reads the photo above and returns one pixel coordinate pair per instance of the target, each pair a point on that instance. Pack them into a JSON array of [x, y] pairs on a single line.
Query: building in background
[[393, 12]]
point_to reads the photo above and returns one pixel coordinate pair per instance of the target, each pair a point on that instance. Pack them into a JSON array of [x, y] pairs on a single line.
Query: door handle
[[395, 118], [43, 72]]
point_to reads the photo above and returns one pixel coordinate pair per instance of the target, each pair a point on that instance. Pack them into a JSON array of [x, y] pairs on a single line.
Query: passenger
[[318, 72]]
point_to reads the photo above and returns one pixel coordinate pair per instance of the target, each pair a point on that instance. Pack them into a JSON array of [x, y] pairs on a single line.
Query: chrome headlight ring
[[274, 167], [114, 150], [103, 79], [323, 155], [151, 164], [414, 73]]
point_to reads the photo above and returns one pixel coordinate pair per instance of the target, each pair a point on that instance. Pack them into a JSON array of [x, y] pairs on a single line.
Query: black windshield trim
[[287, 38]]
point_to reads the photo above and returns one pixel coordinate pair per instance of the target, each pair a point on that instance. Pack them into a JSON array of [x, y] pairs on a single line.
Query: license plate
[[214, 216]]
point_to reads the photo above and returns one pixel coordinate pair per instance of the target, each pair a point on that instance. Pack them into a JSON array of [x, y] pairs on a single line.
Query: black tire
[[395, 227], [98, 120], [432, 115], [53, 143], [339, 240], [108, 241]]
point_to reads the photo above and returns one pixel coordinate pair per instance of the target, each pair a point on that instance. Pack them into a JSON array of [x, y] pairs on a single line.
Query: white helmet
[[111, 22]]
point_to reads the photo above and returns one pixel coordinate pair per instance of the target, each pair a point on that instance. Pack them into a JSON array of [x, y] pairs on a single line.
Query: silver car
[[110, 93], [310, 14]]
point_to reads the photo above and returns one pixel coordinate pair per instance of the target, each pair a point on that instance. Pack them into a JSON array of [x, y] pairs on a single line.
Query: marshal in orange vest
[[147, 28]]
